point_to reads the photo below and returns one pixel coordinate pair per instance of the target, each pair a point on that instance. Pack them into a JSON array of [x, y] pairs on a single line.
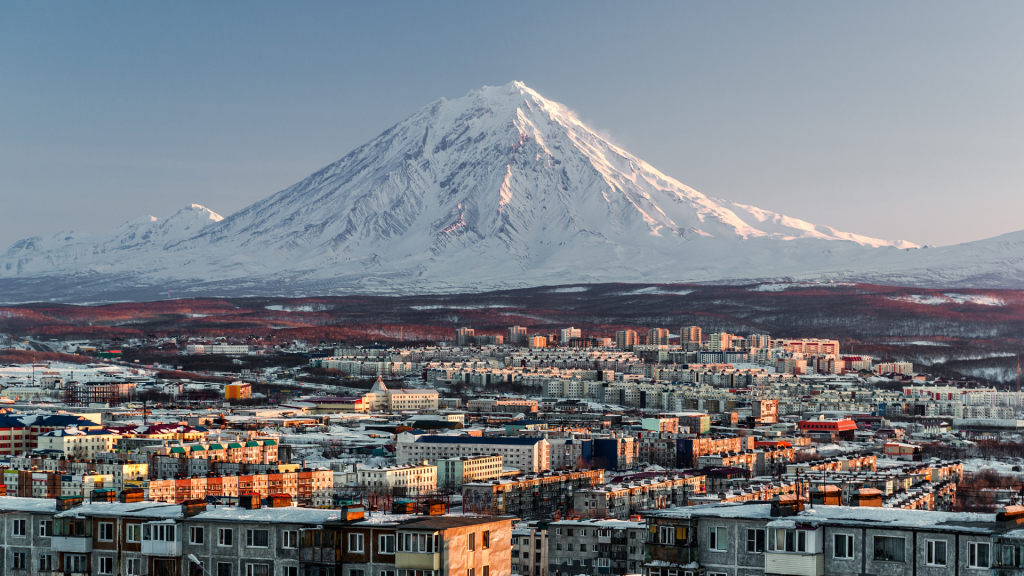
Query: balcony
[[161, 547], [76, 544], [417, 561], [321, 555], [790, 564]]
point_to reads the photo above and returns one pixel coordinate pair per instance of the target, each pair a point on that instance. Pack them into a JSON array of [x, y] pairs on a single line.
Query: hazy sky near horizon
[[888, 119]]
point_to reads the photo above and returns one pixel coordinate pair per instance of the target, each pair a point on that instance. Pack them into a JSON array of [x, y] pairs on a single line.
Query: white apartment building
[[77, 442], [454, 472], [407, 480], [526, 454]]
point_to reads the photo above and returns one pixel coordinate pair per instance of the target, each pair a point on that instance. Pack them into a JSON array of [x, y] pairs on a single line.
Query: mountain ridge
[[498, 188]]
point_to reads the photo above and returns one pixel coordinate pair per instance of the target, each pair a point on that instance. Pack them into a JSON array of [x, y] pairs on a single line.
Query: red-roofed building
[[843, 429]]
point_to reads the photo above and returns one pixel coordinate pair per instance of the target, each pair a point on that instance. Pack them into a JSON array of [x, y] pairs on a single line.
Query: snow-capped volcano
[[499, 188]]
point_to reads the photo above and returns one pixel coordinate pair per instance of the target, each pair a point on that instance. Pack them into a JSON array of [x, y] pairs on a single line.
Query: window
[[515, 541], [558, 545], [784, 541], [666, 535], [604, 563], [935, 553], [889, 549], [195, 534], [801, 541], [291, 539], [46, 528], [19, 560], [583, 547], [485, 540], [106, 565], [355, 543], [842, 546], [106, 532], [46, 562], [418, 543], [225, 537], [290, 571], [977, 555], [387, 573], [257, 539], [18, 527], [570, 547], [134, 532], [386, 544], [133, 566], [257, 569], [717, 538], [1012, 556], [76, 563], [223, 569], [158, 532], [471, 545], [755, 541], [558, 531]]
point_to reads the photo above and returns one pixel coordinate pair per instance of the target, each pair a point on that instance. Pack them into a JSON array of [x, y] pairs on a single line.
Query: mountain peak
[[499, 188]]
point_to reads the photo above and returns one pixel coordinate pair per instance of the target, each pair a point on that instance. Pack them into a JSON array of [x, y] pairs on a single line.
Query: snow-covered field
[[655, 291], [951, 298]]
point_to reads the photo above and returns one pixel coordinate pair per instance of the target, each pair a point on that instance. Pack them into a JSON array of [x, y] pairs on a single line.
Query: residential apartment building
[[527, 454], [530, 496], [454, 472], [782, 537], [626, 339], [530, 551], [637, 494], [407, 480], [502, 405], [19, 433], [517, 335], [595, 547], [77, 442], [155, 539]]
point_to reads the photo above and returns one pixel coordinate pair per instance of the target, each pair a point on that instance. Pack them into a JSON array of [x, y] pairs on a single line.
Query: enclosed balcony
[[161, 539], [71, 535]]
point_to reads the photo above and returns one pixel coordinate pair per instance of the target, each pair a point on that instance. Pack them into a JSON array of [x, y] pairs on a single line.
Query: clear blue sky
[[891, 119]]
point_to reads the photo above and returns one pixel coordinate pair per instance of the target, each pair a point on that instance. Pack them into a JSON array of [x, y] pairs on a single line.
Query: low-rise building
[[596, 547], [454, 472], [406, 480]]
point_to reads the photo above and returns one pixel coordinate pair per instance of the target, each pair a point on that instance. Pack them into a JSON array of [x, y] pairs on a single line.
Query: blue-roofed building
[[19, 432], [526, 454]]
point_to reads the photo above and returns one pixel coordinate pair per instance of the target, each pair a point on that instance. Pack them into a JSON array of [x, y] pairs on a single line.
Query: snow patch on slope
[[950, 298]]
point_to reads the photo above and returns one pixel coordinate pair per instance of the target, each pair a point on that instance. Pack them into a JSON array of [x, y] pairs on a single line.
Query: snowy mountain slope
[[499, 188], [123, 247]]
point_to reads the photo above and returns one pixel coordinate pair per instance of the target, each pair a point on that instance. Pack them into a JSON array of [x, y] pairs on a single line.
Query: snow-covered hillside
[[500, 188]]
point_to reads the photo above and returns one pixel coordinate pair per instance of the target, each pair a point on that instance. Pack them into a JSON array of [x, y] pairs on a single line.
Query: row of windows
[[884, 548]]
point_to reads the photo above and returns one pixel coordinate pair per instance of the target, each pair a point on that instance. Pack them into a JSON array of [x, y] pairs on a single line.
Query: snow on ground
[[300, 308], [978, 464], [780, 286], [454, 307], [655, 291], [975, 299], [569, 290], [842, 448], [935, 300]]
